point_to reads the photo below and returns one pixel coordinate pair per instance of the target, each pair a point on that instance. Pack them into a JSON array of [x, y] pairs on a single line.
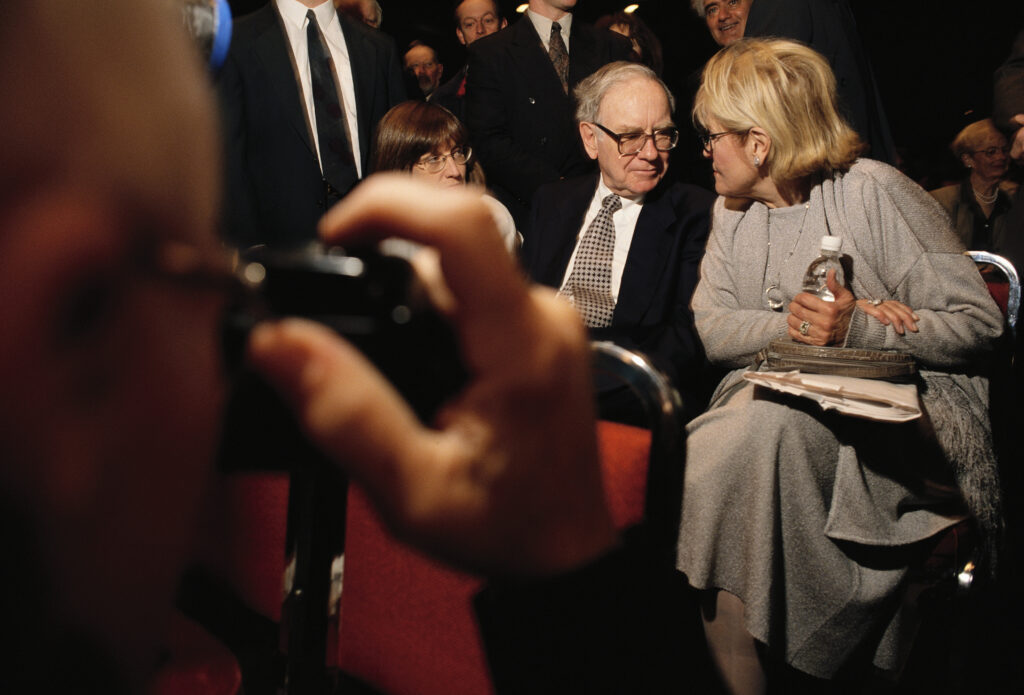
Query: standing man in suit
[[621, 245], [298, 116], [518, 106], [474, 19]]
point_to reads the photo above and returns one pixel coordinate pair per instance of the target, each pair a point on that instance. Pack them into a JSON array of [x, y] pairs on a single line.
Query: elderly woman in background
[[799, 524], [978, 204], [430, 143]]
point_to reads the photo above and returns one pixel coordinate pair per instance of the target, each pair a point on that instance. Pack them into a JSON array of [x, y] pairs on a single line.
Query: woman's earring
[[757, 161]]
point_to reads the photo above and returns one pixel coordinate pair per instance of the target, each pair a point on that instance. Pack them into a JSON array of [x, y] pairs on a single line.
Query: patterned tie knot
[[611, 203]]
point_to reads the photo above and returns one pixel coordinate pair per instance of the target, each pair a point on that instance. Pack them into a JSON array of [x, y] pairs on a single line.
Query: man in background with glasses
[[474, 19], [623, 246]]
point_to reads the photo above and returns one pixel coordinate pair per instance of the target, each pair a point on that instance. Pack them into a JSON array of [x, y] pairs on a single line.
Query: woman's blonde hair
[[789, 91]]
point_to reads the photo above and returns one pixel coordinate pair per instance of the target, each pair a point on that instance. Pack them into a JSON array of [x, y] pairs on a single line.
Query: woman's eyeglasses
[[992, 151], [435, 163], [707, 140]]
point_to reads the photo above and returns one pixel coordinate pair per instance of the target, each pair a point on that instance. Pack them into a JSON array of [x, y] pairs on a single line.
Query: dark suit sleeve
[[531, 251], [396, 83], [788, 18], [238, 213], [488, 114], [622, 624], [1008, 96]]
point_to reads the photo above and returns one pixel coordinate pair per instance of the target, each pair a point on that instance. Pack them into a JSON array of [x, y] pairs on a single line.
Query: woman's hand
[[899, 315], [814, 321]]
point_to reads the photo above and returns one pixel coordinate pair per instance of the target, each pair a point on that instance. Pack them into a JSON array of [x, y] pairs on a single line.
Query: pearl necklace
[[983, 199]]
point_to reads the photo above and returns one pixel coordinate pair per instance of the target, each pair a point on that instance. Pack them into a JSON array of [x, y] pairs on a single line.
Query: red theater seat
[[406, 624]]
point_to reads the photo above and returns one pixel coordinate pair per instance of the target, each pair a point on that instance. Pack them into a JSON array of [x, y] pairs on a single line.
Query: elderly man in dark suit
[[298, 116], [518, 107], [623, 245]]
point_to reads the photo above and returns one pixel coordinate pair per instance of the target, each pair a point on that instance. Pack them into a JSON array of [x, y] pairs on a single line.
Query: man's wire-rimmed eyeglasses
[[631, 143]]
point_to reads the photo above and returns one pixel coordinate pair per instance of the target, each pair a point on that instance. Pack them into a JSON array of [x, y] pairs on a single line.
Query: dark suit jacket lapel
[[564, 224], [360, 52], [645, 265], [275, 54]]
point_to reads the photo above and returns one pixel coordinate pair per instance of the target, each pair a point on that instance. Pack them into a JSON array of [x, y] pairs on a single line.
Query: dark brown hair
[[412, 129]]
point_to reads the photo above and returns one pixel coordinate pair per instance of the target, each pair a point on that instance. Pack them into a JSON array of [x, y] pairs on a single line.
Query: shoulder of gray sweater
[[885, 186]]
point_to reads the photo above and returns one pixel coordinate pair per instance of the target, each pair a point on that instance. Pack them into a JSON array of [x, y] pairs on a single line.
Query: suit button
[[531, 100], [543, 141]]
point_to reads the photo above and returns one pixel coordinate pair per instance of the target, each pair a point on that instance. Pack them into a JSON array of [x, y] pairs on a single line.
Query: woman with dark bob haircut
[[799, 524], [430, 143]]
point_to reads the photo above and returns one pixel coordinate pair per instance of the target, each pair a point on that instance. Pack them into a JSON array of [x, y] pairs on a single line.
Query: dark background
[[933, 59]]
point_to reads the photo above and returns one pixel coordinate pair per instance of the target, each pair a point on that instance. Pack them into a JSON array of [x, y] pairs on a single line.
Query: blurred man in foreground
[[110, 365]]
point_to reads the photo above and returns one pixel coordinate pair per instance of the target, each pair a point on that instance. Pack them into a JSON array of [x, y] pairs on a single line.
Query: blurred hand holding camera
[[506, 482]]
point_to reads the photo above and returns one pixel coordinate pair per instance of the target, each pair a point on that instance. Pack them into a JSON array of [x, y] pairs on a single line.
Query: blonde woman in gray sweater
[[799, 524]]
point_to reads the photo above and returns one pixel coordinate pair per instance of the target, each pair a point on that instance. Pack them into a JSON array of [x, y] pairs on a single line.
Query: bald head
[[85, 89]]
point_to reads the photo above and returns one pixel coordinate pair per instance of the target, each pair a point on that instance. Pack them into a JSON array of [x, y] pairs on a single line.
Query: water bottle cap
[[831, 243]]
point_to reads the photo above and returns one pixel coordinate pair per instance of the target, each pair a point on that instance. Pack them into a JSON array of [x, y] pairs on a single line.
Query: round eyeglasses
[[631, 143], [992, 151], [435, 163]]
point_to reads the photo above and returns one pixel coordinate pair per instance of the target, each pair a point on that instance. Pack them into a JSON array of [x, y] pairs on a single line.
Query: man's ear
[[458, 33], [504, 23], [589, 136], [759, 144]]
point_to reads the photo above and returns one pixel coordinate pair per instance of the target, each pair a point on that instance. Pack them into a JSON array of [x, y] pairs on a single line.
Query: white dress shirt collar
[[543, 26], [294, 12]]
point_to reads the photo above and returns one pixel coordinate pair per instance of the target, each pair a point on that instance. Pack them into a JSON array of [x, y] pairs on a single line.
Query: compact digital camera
[[373, 300]]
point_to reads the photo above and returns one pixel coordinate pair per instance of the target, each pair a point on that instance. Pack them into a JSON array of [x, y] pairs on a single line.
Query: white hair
[[591, 90]]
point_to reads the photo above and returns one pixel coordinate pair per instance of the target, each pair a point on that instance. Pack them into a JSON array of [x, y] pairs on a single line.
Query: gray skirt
[[811, 519]]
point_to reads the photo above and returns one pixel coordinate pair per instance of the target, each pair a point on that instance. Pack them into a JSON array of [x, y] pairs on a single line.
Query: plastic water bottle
[[817, 271]]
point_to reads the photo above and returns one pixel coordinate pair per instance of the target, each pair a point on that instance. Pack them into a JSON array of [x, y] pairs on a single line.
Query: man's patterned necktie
[[590, 283], [559, 56]]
